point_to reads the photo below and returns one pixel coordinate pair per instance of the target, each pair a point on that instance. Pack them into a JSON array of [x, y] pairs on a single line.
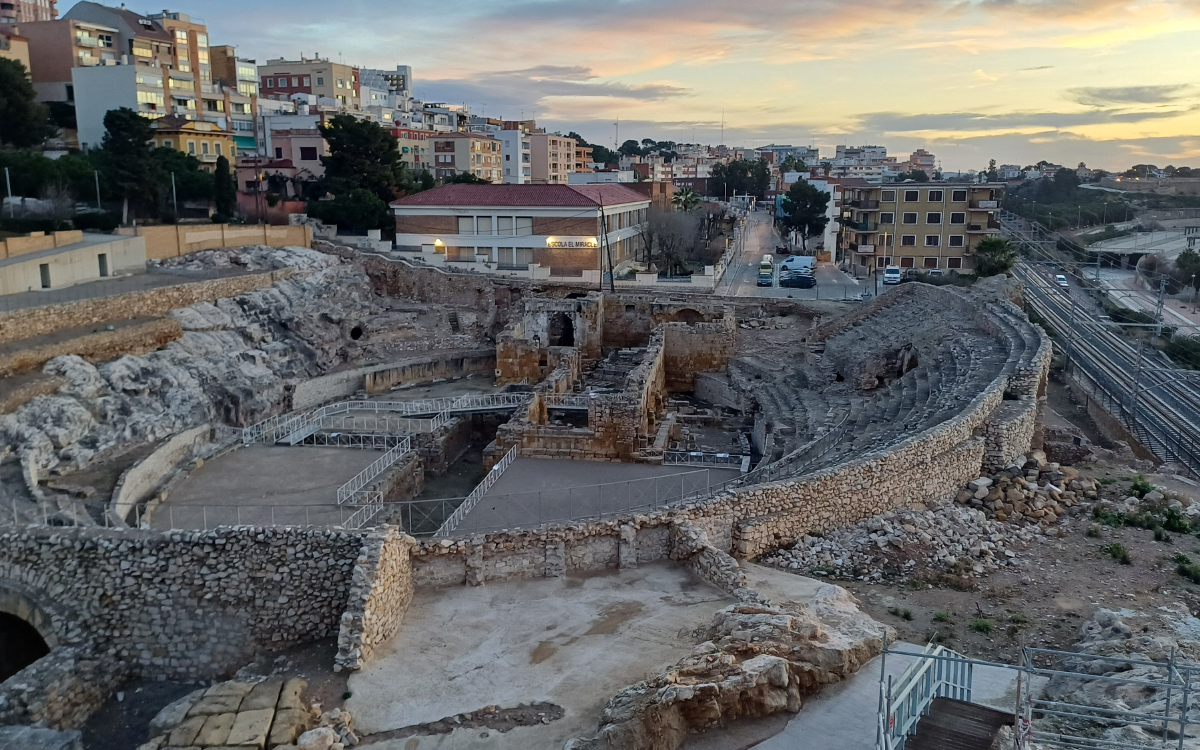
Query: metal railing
[[480, 490], [349, 491], [940, 673], [700, 458]]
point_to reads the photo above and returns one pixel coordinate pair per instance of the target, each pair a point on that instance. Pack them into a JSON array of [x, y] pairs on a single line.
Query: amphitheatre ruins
[[512, 513]]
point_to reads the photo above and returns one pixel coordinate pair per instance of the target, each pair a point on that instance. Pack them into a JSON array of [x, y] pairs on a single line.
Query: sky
[[1111, 83]]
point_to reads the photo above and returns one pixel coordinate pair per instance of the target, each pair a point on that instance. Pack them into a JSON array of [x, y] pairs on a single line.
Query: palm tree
[[686, 199], [994, 255]]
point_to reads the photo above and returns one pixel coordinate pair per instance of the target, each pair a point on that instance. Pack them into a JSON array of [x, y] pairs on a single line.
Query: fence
[[480, 490], [939, 673], [351, 491], [700, 458]]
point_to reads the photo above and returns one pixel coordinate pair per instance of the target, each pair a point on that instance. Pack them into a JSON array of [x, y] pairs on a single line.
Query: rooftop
[[524, 195]]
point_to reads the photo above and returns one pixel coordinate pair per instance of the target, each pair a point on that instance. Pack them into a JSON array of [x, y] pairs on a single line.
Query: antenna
[[722, 127]]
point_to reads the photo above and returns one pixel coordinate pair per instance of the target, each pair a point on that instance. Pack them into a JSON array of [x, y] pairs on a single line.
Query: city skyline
[[1109, 83]]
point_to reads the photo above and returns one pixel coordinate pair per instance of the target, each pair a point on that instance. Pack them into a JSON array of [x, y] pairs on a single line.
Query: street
[[741, 278]]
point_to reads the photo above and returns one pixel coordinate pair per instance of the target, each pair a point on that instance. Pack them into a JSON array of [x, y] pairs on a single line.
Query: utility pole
[[1158, 311], [174, 197], [96, 174], [8, 182]]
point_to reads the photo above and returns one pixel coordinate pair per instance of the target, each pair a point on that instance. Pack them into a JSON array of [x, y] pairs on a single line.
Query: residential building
[[660, 194], [191, 48], [416, 148], [808, 155], [203, 140], [231, 71], [13, 46], [98, 89], [144, 40], [583, 158], [521, 228], [58, 47], [318, 76], [924, 226], [1009, 171], [863, 154], [517, 150], [27, 11], [398, 82], [296, 138], [478, 154], [922, 160], [552, 158], [602, 177]]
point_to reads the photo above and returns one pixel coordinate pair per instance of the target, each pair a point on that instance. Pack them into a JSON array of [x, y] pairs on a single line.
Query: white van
[[801, 263], [891, 275]]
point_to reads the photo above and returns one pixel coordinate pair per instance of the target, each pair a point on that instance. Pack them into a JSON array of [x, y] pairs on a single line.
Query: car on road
[[891, 275], [766, 278], [796, 280], [798, 263], [1061, 281]]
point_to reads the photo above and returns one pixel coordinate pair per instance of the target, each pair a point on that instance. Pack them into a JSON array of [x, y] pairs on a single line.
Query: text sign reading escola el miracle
[[572, 242]]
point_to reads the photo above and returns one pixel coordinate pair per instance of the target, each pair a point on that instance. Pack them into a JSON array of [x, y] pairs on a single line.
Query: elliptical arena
[[494, 495]]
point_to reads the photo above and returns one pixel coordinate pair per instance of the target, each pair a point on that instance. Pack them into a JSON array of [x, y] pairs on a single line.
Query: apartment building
[[924, 226], [280, 79], [583, 158], [476, 153], [513, 227], [27, 11], [552, 158], [98, 89], [922, 160], [517, 150], [13, 46], [416, 148], [231, 71], [203, 140], [58, 47]]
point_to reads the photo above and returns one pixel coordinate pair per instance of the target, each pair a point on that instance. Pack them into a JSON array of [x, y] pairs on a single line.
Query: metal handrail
[[480, 490], [348, 490], [938, 672]]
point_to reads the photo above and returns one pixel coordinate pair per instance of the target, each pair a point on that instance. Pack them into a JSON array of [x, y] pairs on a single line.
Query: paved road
[[741, 278]]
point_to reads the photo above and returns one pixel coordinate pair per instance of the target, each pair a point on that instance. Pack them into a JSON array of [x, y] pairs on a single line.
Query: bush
[[1140, 487], [1117, 551], [1184, 351], [982, 625], [904, 614], [105, 222], [941, 617], [1186, 567]]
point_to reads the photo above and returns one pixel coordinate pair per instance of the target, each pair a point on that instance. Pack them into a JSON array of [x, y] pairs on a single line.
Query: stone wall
[[379, 596], [95, 347], [37, 321], [700, 347], [60, 690], [382, 377], [1008, 433], [181, 239], [146, 476]]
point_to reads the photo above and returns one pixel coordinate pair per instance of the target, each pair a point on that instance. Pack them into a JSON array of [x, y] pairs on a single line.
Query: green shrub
[[1018, 619], [1117, 551], [1139, 487], [904, 614], [982, 625], [941, 617]]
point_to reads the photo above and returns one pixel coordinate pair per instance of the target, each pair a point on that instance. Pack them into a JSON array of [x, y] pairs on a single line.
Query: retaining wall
[[382, 377], [96, 347], [145, 477], [181, 239], [379, 597]]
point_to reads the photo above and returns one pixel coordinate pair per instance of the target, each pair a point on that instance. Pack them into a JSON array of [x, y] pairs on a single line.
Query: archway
[[561, 330], [20, 645], [688, 315]]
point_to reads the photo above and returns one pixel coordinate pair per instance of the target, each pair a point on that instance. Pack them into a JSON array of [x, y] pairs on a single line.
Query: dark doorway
[[561, 330], [689, 316], [20, 645], [103, 259]]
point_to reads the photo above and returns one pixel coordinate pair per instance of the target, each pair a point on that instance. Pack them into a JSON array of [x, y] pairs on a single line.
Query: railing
[[937, 673], [348, 492], [859, 226], [867, 205], [700, 458], [480, 490]]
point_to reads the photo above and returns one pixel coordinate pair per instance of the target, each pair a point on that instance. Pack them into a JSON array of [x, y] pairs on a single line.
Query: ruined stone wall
[[837, 325], [60, 690], [701, 347], [382, 377], [95, 347], [380, 593], [187, 605], [37, 321], [438, 450], [139, 481], [1008, 433]]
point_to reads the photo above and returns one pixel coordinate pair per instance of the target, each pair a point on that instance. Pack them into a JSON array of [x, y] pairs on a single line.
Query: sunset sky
[[1107, 82]]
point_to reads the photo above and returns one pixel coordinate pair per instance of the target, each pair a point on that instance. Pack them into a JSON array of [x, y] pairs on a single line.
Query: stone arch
[[29, 630], [24, 603], [687, 315], [561, 330]]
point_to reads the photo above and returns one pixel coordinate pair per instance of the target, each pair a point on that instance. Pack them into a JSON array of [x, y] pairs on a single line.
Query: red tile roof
[[530, 196]]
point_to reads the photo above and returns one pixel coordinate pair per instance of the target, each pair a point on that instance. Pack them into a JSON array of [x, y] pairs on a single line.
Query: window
[[931, 262], [202, 56], [308, 153], [466, 225], [505, 225], [341, 83], [908, 240], [270, 83], [883, 261], [192, 148], [958, 196], [956, 240], [908, 262], [958, 218], [167, 143], [935, 196], [953, 262], [912, 196], [104, 40], [217, 146], [887, 218], [320, 80], [278, 153], [180, 36], [933, 218], [201, 39], [524, 226], [888, 196], [295, 81], [910, 218], [933, 240], [204, 148], [307, 81]]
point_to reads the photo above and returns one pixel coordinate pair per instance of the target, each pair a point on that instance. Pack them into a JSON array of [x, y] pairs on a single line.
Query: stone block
[[184, 735], [289, 697], [215, 730], [216, 704], [36, 738], [240, 689], [263, 695], [175, 712], [289, 724], [251, 728]]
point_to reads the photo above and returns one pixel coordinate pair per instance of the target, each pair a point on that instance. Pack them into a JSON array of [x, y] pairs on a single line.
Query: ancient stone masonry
[[61, 689], [96, 347], [380, 593]]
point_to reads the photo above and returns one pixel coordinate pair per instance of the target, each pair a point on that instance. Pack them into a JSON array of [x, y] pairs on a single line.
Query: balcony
[[207, 158], [985, 205], [865, 205], [859, 226], [86, 41], [992, 227], [862, 249]]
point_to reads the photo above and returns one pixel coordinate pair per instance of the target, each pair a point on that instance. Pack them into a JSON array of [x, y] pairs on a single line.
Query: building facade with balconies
[[27, 11], [203, 140], [13, 46], [552, 158], [58, 47], [416, 148], [922, 226], [474, 153], [318, 76]]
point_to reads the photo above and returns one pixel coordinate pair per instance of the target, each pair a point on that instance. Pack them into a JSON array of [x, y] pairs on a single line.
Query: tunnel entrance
[[561, 330], [20, 645]]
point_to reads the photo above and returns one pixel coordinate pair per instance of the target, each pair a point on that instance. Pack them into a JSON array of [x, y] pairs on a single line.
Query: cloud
[[983, 75], [1038, 67], [1098, 96]]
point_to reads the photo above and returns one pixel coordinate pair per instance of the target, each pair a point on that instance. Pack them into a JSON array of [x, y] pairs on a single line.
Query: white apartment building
[[517, 154]]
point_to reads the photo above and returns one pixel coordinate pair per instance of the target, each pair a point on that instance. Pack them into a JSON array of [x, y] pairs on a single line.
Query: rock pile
[[249, 258], [1034, 491]]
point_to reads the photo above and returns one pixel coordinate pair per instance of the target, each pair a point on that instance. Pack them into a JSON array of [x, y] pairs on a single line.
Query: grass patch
[[1018, 619], [1118, 552], [1186, 568], [1093, 532], [982, 625], [903, 614], [941, 617], [1140, 487]]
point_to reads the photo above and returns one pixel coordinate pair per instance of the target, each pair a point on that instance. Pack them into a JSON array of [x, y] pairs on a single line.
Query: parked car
[[766, 278], [797, 280], [891, 275], [935, 272], [1062, 281]]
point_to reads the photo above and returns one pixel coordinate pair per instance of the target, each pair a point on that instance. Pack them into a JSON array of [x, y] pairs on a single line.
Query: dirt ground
[[123, 721]]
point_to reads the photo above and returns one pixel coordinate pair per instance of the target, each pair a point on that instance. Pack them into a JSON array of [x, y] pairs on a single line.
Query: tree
[[126, 156], [191, 182], [917, 175], [363, 155], [358, 211], [630, 148], [992, 174], [740, 176], [826, 167], [22, 122], [675, 237], [994, 255], [465, 178], [686, 199], [224, 192], [1187, 265], [791, 164], [804, 209]]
